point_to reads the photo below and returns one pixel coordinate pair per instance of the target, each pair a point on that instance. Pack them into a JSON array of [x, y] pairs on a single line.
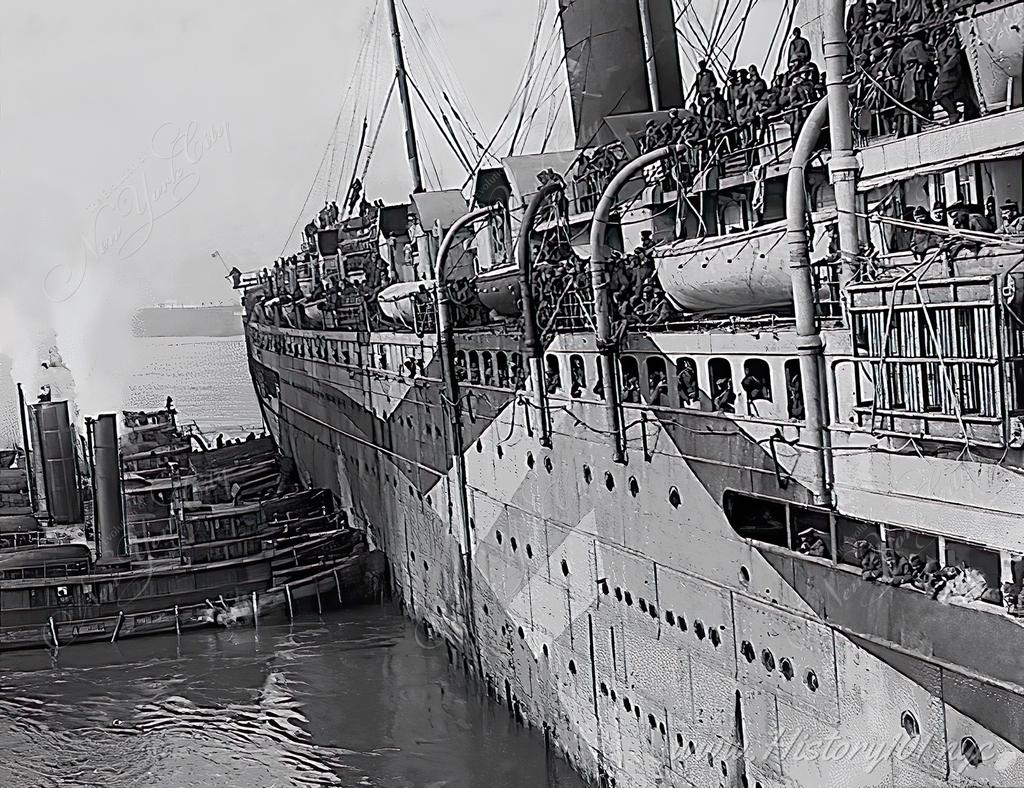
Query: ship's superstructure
[[701, 444]]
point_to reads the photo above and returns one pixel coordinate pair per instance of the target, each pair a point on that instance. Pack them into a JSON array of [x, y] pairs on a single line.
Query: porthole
[[744, 575], [682, 623], [498, 537], [548, 466], [522, 634], [786, 668], [652, 611], [679, 739], [693, 748], [604, 587], [910, 725], [545, 649], [642, 604], [698, 630], [636, 710], [486, 611], [747, 650], [711, 760], [661, 729], [514, 544], [412, 555], [670, 618], [971, 751], [811, 680], [618, 593], [529, 459], [609, 481], [614, 699], [634, 486], [565, 567], [768, 660], [587, 474], [604, 689], [479, 447], [629, 599], [716, 639], [673, 497], [500, 451], [651, 721], [425, 567], [572, 667], [429, 501], [529, 551], [626, 704]]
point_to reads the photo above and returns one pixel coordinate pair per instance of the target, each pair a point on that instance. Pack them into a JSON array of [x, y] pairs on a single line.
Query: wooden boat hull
[[339, 580]]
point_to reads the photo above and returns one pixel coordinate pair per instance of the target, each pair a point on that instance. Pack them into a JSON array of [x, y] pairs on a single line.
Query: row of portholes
[[671, 618], [514, 544], [654, 723], [785, 665]]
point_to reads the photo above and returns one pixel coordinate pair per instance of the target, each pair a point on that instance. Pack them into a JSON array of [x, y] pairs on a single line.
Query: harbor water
[[355, 698]]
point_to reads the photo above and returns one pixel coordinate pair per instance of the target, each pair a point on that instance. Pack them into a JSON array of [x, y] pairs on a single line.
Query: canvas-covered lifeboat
[[738, 273], [398, 301]]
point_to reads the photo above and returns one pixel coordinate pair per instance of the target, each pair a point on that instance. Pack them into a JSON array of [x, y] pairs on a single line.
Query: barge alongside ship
[[770, 536]]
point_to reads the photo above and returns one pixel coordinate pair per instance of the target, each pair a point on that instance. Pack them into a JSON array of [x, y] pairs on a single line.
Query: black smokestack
[[58, 461], [107, 509]]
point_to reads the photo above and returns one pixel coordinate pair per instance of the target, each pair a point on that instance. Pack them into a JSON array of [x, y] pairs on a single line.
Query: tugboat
[[182, 539]]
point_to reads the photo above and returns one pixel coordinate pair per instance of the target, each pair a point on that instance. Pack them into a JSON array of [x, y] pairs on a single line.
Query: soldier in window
[[868, 559], [812, 544], [686, 379], [725, 398]]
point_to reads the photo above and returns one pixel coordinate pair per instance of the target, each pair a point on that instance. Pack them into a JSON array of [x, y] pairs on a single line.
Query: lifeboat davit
[[740, 273], [398, 301]]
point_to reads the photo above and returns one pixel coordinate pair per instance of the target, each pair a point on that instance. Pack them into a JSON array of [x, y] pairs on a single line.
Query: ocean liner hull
[[616, 607]]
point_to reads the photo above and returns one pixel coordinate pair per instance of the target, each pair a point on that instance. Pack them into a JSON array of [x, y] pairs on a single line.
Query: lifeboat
[[398, 301], [741, 273], [498, 290]]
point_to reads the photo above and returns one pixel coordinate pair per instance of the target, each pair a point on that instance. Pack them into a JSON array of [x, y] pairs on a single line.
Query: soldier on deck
[[705, 82], [799, 50], [950, 80], [916, 66], [900, 570]]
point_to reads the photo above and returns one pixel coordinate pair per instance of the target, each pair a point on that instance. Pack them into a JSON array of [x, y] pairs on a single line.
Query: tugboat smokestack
[[109, 513]]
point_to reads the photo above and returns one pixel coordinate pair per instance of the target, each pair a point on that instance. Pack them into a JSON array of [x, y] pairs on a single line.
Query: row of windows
[[500, 369], [688, 386], [861, 544]]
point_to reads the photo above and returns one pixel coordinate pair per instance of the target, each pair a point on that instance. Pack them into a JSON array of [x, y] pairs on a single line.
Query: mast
[[652, 66], [28, 456], [403, 94]]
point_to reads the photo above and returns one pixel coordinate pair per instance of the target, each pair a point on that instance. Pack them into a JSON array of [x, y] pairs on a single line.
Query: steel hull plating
[[616, 607]]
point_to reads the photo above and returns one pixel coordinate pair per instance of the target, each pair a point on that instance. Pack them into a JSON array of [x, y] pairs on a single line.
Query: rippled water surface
[[353, 699]]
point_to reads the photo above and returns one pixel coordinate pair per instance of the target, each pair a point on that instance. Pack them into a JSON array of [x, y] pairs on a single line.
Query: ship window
[[686, 382], [657, 381], [599, 381], [909, 543], [810, 531], [910, 725], [460, 365], [552, 375], [502, 371], [723, 396], [794, 390], [850, 531], [756, 518], [756, 383], [515, 372], [985, 562], [577, 376], [474, 367], [630, 379], [488, 369]]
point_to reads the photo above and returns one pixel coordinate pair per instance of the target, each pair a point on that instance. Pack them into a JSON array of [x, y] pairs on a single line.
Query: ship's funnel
[[56, 460], [107, 508]]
